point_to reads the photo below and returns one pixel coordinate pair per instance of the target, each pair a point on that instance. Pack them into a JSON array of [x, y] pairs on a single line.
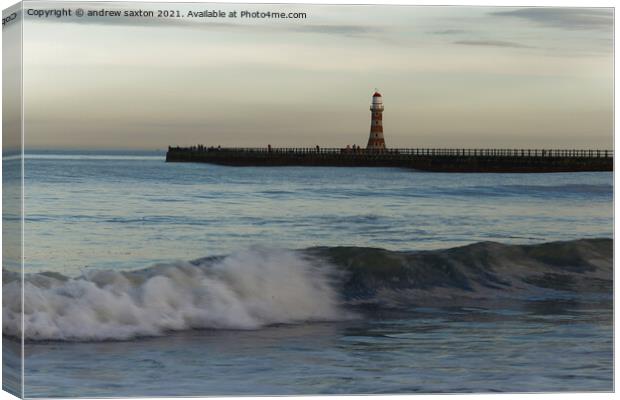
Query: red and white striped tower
[[376, 140]]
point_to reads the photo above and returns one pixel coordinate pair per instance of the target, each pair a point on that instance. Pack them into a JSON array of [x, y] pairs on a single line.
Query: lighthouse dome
[[377, 99]]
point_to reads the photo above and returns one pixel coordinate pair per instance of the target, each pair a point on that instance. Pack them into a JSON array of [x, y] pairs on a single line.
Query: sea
[[147, 278]]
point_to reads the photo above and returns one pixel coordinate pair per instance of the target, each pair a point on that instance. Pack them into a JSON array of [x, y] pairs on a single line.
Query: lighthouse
[[376, 141]]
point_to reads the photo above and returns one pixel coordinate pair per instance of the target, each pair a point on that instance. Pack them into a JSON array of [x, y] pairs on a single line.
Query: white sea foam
[[246, 290]]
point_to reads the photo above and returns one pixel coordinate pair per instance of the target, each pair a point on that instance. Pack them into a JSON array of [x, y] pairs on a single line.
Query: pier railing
[[429, 152]]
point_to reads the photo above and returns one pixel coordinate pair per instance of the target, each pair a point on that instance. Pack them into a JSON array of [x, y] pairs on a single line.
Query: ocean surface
[[146, 278]]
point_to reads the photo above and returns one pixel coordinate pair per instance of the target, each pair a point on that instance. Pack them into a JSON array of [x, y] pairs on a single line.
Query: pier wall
[[437, 160]]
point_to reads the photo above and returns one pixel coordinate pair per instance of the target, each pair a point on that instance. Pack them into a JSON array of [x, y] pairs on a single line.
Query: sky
[[451, 77]]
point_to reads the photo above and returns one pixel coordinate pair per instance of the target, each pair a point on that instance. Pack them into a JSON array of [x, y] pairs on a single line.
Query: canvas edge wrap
[[12, 194]]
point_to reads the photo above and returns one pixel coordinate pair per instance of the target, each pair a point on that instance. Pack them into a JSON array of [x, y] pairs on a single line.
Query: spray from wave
[[246, 290]]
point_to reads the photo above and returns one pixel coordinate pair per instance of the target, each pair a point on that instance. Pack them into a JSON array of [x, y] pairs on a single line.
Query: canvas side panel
[[12, 206]]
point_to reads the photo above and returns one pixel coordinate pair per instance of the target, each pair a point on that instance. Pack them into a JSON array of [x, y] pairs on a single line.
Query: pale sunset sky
[[451, 77]]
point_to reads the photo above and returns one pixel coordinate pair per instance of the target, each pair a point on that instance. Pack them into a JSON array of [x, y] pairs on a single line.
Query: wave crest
[[246, 290], [259, 287]]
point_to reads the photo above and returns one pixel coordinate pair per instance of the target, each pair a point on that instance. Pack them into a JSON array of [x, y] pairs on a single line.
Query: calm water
[[116, 213], [126, 212]]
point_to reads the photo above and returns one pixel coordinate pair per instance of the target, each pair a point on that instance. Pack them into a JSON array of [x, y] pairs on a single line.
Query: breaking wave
[[246, 290], [260, 287]]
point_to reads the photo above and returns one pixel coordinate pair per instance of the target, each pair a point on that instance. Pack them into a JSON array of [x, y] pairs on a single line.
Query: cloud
[[449, 32], [565, 18], [493, 43], [344, 30], [375, 33]]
